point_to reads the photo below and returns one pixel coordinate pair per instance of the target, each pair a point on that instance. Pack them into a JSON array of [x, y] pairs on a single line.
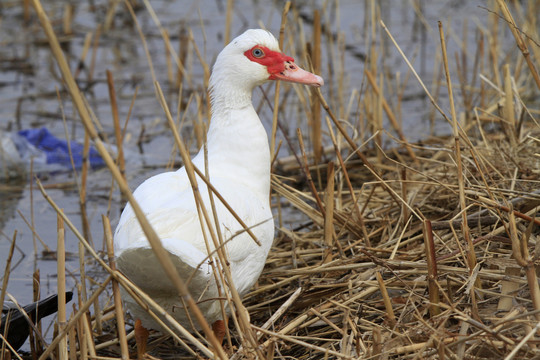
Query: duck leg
[[220, 329], [141, 338]]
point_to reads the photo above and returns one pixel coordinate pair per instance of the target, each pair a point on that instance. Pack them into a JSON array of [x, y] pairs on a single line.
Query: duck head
[[252, 59]]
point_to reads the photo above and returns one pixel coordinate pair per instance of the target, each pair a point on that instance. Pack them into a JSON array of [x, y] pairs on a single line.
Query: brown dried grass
[[422, 250]]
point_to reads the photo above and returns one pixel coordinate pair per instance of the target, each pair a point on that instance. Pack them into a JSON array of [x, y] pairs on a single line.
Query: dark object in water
[[18, 327]]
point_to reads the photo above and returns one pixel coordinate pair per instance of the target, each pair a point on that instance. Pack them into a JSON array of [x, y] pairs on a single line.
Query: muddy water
[[29, 80]]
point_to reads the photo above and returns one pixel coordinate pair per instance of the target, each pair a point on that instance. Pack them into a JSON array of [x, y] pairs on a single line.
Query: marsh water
[[29, 81]]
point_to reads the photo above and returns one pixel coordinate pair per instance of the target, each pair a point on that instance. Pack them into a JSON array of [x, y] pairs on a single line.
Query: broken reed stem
[[206, 78], [377, 118], [83, 348], [87, 333], [32, 213], [86, 225], [67, 19], [316, 136], [35, 345], [119, 311], [431, 259], [386, 299], [82, 191], [404, 209], [117, 128], [95, 44], [508, 110], [329, 214], [521, 44], [82, 271], [521, 254], [61, 271], [182, 54], [168, 62], [508, 288], [86, 46], [273, 152], [72, 342], [376, 348], [471, 255], [161, 254], [26, 13], [228, 21], [308, 173], [7, 271]]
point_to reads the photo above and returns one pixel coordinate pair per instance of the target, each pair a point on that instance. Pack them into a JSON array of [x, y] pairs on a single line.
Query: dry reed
[[407, 250]]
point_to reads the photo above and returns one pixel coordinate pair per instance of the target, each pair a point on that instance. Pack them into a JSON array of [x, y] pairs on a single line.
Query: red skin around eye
[[273, 60]]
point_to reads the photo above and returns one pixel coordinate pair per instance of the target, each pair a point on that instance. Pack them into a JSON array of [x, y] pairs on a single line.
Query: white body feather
[[239, 167]]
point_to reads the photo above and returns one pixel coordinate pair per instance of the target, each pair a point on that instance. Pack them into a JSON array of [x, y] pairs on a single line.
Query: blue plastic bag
[[56, 150]]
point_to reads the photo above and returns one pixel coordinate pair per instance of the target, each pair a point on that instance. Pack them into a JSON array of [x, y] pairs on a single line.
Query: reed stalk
[[307, 172], [117, 128], [433, 287], [83, 186], [390, 115], [471, 255], [523, 259], [329, 214], [119, 277], [372, 220], [152, 237], [61, 271], [7, 271], [36, 346], [273, 152], [68, 19], [387, 301], [521, 44], [228, 21], [316, 136], [182, 55], [120, 323], [508, 111]]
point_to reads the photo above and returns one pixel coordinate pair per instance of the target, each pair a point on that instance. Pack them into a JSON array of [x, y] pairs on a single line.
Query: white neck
[[237, 141]]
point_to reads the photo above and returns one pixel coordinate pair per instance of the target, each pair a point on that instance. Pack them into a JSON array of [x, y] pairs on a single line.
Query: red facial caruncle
[[273, 60], [281, 66]]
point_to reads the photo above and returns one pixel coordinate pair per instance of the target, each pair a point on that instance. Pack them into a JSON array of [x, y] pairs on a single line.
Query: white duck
[[239, 167]]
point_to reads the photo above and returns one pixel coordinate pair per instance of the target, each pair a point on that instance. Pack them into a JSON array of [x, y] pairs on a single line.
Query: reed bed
[[386, 248]]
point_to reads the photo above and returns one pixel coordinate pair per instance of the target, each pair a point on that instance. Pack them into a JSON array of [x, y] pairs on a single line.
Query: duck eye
[[258, 53]]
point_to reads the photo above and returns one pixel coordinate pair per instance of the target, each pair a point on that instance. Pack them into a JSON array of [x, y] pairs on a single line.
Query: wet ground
[[29, 81]]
